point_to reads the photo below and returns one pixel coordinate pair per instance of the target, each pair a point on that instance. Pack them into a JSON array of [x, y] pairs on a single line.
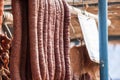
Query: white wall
[[114, 61]]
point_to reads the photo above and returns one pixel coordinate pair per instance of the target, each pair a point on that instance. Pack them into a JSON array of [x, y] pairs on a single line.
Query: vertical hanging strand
[[16, 46], [56, 43], [34, 55], [67, 41], [1, 13], [40, 39], [61, 41], [49, 47], [50, 52], [53, 31], [45, 34]]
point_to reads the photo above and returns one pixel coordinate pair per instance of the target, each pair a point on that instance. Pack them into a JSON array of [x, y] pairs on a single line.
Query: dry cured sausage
[[56, 43], [45, 34], [40, 39], [61, 41], [50, 52], [16, 46], [67, 41], [34, 55]]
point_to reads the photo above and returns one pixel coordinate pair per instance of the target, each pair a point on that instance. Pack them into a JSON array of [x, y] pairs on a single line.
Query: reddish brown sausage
[[40, 38], [50, 52], [61, 41], [34, 55], [67, 41], [53, 31], [16, 46], [45, 34], [56, 43]]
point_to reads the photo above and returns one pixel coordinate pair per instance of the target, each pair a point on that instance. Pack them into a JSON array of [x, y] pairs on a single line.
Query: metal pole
[[103, 38]]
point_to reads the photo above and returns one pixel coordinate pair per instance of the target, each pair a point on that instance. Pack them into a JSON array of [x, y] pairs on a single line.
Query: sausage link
[[61, 41], [34, 55], [67, 41], [53, 31], [56, 43], [16, 46], [45, 34], [40, 38], [50, 52]]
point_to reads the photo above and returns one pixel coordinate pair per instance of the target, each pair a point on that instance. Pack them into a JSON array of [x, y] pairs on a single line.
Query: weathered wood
[[77, 11]]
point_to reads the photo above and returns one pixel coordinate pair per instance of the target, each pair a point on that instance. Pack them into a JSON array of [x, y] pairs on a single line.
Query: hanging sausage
[[40, 48]]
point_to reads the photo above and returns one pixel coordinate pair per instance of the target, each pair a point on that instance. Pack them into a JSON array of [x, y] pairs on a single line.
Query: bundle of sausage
[[40, 49]]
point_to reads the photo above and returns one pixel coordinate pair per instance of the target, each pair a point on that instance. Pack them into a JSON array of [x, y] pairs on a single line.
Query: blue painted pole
[[103, 38]]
